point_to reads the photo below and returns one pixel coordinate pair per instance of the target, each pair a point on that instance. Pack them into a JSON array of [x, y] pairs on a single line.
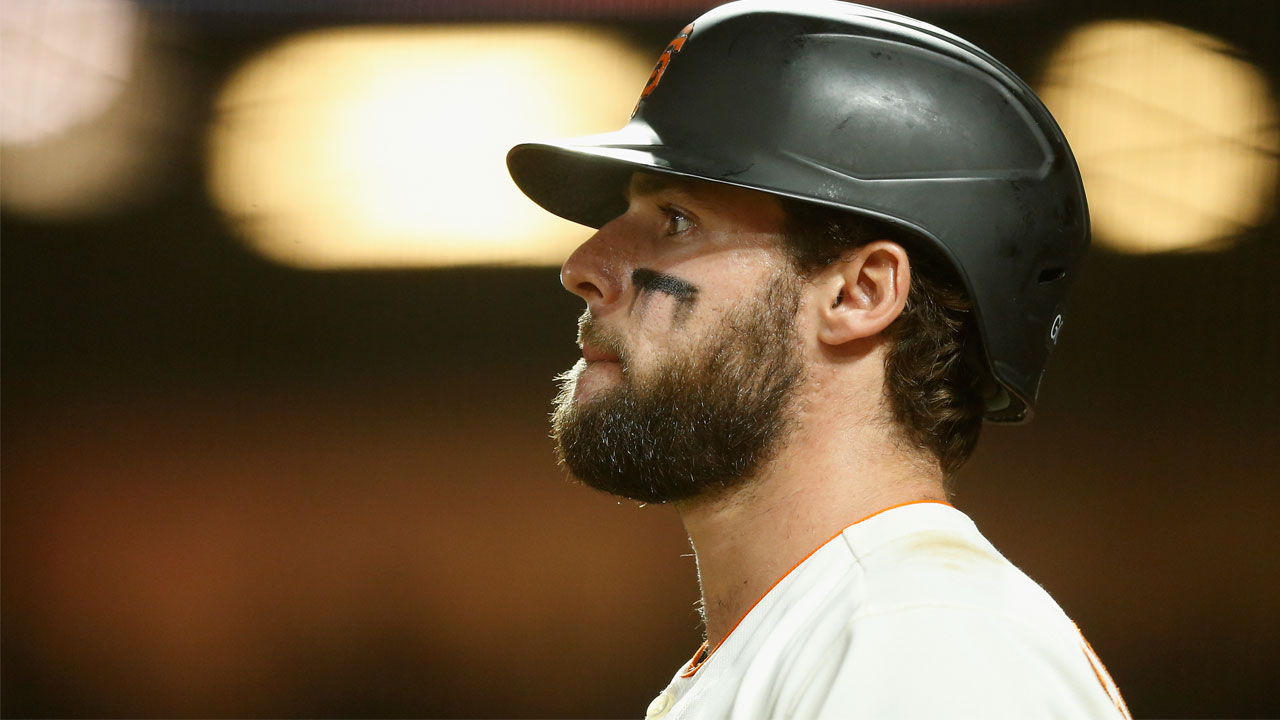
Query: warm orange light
[[1176, 136], [386, 146]]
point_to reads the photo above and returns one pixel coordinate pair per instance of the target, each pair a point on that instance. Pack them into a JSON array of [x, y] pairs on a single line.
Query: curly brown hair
[[933, 387]]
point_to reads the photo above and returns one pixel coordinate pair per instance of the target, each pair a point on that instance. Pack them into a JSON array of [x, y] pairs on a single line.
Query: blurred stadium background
[[278, 335]]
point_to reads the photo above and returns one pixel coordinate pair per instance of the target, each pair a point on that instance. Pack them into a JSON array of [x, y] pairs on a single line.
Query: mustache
[[592, 333]]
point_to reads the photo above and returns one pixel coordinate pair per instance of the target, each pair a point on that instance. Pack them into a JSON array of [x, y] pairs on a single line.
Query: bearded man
[[831, 241]]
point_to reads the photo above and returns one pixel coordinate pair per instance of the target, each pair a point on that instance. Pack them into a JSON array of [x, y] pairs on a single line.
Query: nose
[[594, 271]]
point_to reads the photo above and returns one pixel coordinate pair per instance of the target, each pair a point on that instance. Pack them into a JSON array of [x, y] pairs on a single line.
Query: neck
[[748, 538]]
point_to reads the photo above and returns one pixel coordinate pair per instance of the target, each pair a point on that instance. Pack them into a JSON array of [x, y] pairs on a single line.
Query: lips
[[593, 354]]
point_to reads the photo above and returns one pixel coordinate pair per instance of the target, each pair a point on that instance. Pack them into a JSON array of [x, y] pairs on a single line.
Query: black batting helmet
[[873, 113]]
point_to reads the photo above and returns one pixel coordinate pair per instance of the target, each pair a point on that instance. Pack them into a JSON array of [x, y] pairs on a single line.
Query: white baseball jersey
[[909, 613]]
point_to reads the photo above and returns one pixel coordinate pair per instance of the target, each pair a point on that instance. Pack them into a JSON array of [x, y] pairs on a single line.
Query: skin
[[841, 462]]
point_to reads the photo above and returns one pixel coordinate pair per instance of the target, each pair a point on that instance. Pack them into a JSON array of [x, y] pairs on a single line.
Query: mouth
[[594, 354]]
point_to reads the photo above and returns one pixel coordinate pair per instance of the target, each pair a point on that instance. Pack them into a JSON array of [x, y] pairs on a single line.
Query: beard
[[699, 422]]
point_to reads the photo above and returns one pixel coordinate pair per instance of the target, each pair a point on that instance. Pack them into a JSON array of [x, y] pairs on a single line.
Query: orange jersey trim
[[701, 656], [1104, 678]]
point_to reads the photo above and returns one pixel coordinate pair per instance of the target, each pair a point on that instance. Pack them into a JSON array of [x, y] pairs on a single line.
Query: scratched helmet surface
[[870, 112]]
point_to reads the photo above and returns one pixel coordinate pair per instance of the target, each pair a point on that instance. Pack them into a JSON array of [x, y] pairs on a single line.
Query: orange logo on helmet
[[664, 60]]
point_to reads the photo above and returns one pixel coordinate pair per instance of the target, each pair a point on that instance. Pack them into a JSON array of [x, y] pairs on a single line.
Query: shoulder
[[932, 555], [944, 625], [950, 662], [908, 614]]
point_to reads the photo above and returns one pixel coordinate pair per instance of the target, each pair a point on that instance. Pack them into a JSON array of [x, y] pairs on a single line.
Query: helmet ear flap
[[995, 398]]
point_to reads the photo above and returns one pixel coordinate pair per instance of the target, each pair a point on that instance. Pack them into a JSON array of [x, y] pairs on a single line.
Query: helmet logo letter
[[664, 60], [1055, 328]]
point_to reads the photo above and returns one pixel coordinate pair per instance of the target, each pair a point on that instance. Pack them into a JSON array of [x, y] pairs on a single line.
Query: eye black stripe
[[653, 281]]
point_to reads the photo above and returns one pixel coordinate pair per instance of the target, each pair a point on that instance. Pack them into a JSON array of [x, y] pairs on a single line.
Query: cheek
[[656, 312], [667, 323], [670, 332]]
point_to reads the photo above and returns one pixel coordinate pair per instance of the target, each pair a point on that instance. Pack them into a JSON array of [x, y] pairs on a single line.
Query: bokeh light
[[61, 62], [386, 146], [95, 104], [1176, 135]]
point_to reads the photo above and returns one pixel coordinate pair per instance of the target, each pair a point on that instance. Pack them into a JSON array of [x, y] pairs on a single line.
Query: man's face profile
[[687, 376]]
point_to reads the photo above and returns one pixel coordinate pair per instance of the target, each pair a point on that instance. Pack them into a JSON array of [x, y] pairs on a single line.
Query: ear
[[860, 295]]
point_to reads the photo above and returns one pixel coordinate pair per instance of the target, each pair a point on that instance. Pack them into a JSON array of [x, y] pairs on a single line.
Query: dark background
[[235, 489]]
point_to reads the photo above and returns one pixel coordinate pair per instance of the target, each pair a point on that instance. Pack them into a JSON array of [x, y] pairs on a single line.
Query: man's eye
[[677, 222]]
